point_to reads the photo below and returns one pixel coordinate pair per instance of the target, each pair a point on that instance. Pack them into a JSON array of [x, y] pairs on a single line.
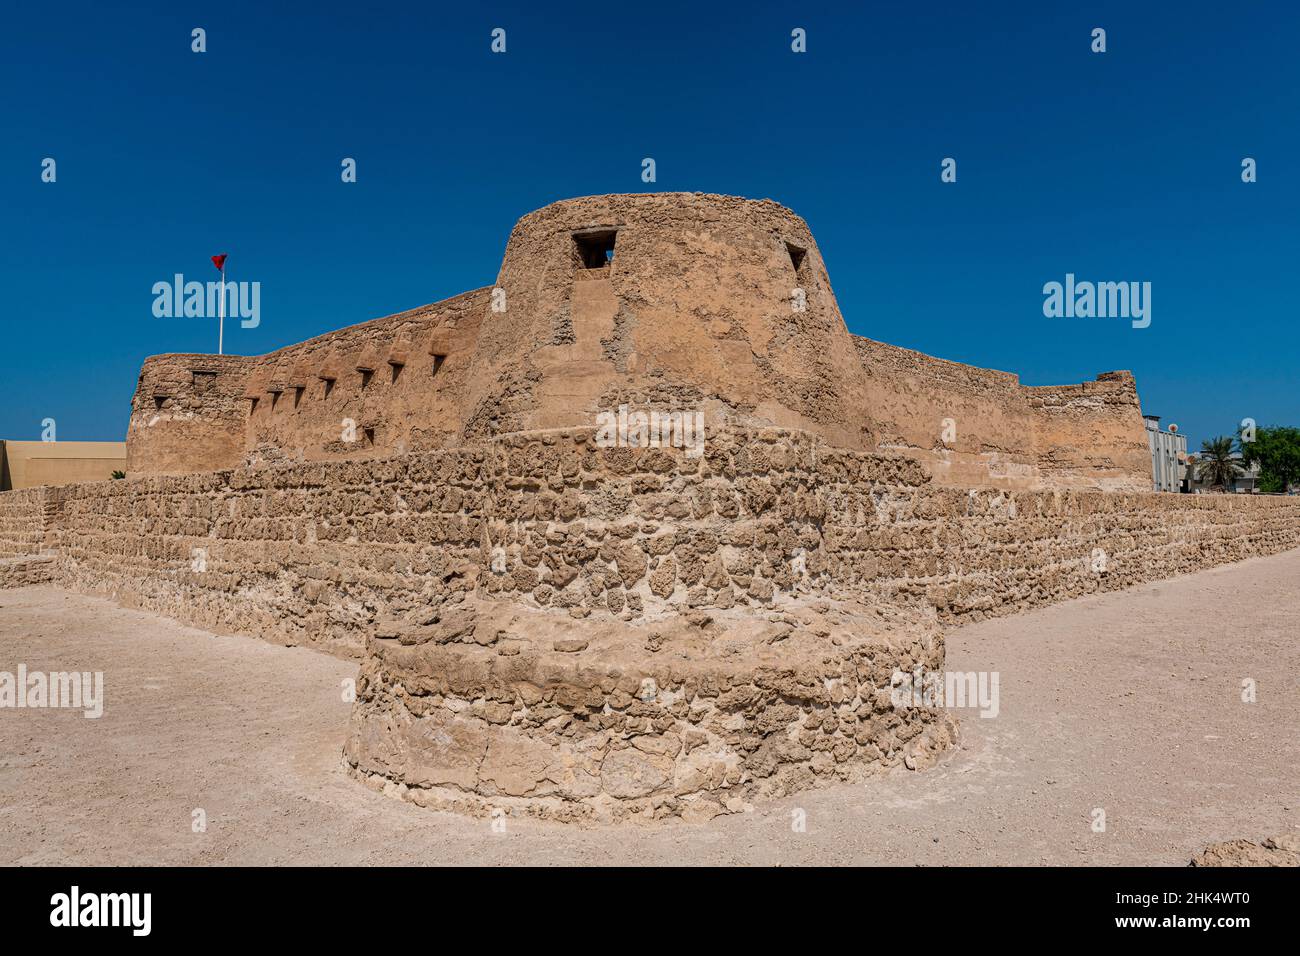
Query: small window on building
[[329, 386], [796, 256], [366, 375], [370, 436], [252, 405], [160, 400], [437, 362], [297, 395], [594, 250], [397, 370]]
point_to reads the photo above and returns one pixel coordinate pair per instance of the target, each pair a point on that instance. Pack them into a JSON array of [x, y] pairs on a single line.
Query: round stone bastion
[[649, 633], [490, 710]]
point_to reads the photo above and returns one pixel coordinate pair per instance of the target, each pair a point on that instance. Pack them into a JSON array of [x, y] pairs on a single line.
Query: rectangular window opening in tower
[[594, 249], [796, 256]]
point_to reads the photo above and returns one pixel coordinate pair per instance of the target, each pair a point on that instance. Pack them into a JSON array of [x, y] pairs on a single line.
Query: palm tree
[[1216, 465]]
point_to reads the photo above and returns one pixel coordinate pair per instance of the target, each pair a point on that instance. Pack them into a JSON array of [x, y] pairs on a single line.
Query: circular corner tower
[[670, 300]]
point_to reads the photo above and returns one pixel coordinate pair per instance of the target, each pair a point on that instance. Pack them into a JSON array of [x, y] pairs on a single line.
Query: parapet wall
[[974, 427], [373, 390], [377, 389], [322, 553]]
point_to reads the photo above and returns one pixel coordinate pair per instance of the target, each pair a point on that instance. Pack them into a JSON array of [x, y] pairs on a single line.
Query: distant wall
[[973, 553], [28, 464], [975, 427], [375, 389], [709, 304], [1092, 432]]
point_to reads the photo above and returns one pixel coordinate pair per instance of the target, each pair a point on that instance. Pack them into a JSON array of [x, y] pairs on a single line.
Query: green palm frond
[[1215, 465]]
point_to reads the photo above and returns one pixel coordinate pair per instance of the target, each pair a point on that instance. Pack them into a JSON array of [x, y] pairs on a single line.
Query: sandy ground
[[1130, 702]]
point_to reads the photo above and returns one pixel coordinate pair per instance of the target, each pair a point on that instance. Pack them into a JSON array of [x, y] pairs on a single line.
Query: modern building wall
[[29, 464], [1168, 456]]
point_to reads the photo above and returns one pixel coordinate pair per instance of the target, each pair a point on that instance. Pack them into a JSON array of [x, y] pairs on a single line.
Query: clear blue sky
[[1120, 166]]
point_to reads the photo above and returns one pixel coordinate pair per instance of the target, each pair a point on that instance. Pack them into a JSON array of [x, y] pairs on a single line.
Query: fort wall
[[322, 553], [675, 301], [974, 427], [554, 628], [1087, 433], [28, 531], [375, 389], [23, 521]]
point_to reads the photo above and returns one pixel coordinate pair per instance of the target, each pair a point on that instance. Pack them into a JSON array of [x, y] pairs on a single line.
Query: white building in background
[[1168, 455], [1245, 479]]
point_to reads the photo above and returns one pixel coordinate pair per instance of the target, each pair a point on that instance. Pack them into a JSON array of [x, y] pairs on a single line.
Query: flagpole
[[221, 322]]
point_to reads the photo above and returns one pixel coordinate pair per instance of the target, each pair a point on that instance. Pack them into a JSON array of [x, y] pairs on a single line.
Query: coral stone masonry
[[552, 623], [676, 301]]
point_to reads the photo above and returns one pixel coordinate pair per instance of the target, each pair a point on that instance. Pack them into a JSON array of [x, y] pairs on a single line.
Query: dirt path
[[1130, 702]]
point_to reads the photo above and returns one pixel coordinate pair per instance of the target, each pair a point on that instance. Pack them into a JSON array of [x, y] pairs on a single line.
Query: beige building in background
[[27, 464]]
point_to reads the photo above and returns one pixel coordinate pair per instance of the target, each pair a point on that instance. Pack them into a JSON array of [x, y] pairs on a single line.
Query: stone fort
[[672, 301], [552, 625]]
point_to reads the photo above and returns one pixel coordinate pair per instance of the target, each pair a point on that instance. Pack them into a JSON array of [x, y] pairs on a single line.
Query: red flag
[[219, 261]]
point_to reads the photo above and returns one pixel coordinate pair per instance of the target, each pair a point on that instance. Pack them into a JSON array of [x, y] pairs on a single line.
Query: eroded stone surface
[[1274, 851], [684, 719], [711, 304], [323, 553]]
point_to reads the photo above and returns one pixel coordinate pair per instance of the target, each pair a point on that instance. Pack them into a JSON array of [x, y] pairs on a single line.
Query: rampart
[[556, 628], [973, 427], [376, 389], [322, 553]]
